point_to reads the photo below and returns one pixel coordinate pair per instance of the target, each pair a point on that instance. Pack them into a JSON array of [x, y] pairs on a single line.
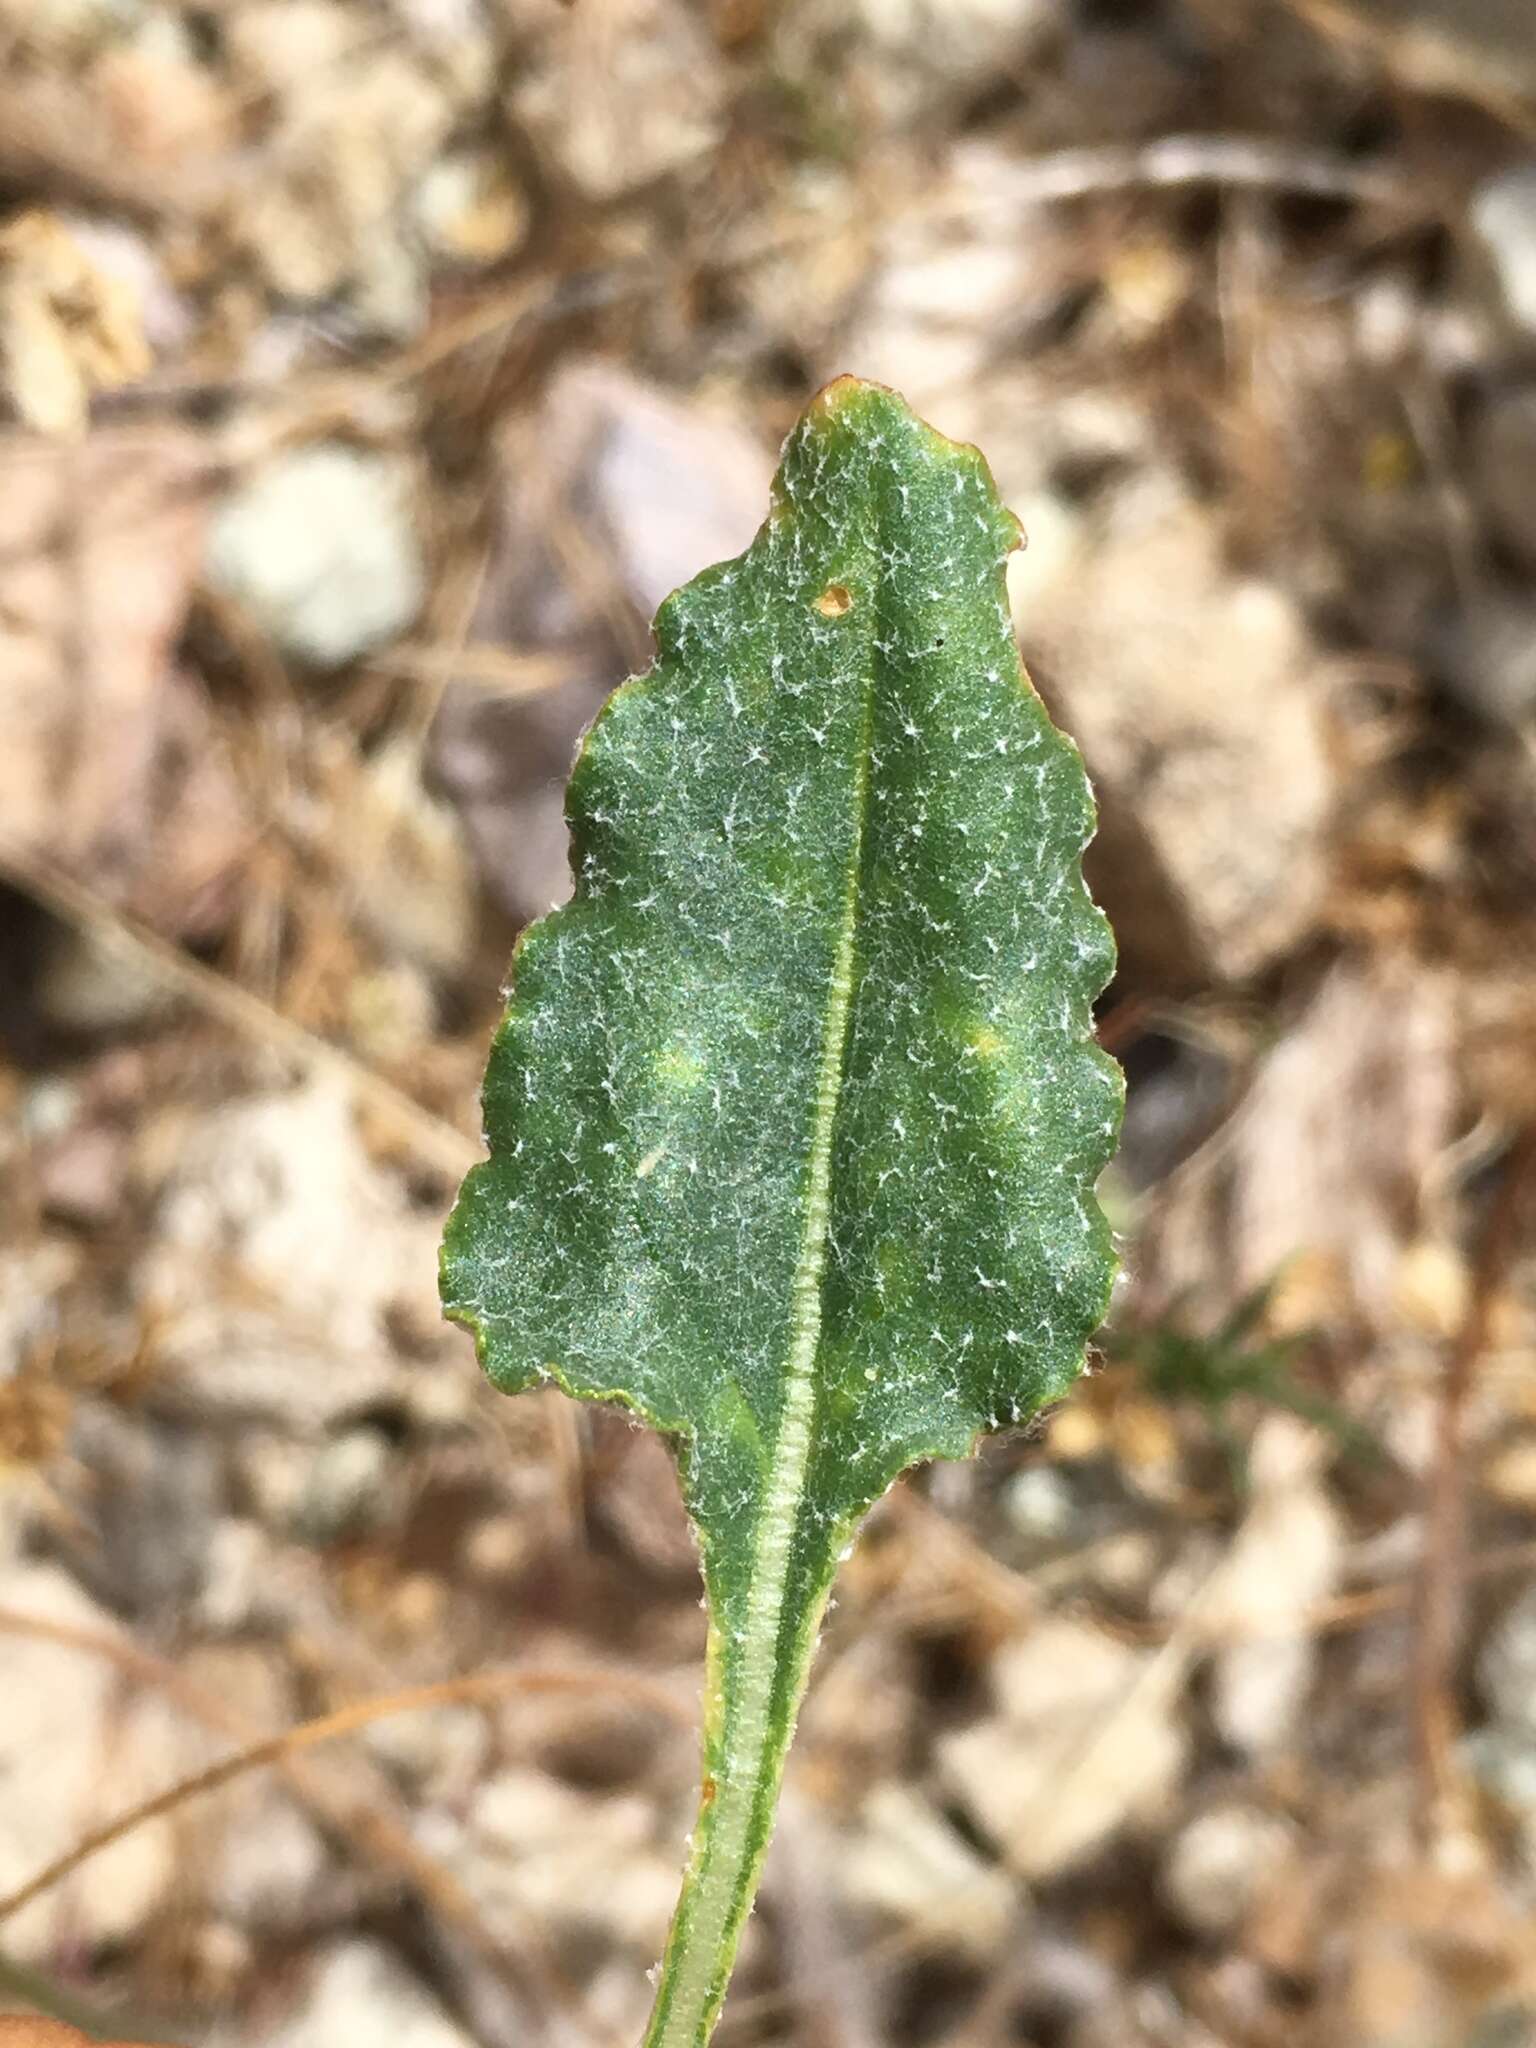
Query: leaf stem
[[749, 1721]]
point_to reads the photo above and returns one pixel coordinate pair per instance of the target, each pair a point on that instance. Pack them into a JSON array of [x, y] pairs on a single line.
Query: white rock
[[439, 1751], [283, 1181], [389, 293], [1189, 691], [325, 218], [668, 481], [1284, 1559], [1355, 1098], [1039, 1503], [1490, 658], [251, 1858], [49, 1107], [1123, 1564], [535, 1847], [1216, 1865], [445, 20], [281, 1187], [100, 545], [920, 50], [958, 37], [468, 208], [272, 1467], [236, 1592], [347, 1487], [935, 309], [407, 865], [320, 548], [360, 1994], [63, 1768], [465, 54], [1086, 1742], [907, 1862], [274, 45], [1388, 315], [271, 1864], [1506, 1668], [656, 112], [1053, 536], [1503, 217], [31, 1281], [90, 985], [127, 257], [943, 288]]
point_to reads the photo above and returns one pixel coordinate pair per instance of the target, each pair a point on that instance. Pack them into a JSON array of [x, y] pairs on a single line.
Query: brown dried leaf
[[67, 329], [108, 755], [1331, 1150], [614, 493], [1188, 691]]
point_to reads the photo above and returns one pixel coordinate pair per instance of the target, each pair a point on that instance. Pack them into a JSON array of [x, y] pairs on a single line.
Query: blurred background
[[370, 369]]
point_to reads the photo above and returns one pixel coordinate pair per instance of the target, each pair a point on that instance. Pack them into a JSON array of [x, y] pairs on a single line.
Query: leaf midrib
[[750, 1732]]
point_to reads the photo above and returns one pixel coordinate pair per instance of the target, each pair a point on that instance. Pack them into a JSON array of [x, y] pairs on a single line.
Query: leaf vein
[[696, 1988]]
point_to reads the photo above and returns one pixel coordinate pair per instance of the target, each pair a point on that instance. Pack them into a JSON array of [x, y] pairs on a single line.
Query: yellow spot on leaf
[[679, 1066], [834, 601]]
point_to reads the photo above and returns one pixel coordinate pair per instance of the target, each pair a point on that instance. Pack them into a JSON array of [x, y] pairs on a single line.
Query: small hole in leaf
[[834, 601]]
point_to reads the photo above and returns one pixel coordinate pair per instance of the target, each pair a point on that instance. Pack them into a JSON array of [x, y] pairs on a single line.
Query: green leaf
[[795, 1114], [1232, 1362]]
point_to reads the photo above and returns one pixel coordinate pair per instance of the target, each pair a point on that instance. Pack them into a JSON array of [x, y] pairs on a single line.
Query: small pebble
[[319, 547]]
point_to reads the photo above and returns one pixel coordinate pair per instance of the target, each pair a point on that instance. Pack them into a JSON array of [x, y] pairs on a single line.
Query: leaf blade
[[794, 1114]]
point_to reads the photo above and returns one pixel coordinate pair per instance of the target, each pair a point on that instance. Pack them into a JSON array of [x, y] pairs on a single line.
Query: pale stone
[[1187, 689], [907, 1862], [1087, 1741], [320, 548], [64, 1767], [1216, 1865], [361, 1993]]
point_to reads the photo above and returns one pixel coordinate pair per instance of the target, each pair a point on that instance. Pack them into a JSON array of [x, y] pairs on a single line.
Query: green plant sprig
[[795, 1114]]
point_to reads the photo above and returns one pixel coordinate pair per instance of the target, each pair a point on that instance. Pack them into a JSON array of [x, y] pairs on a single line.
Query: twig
[[1421, 57], [330, 1728], [500, 672], [376, 1836], [1442, 1560], [1249, 163], [308, 397], [435, 1142]]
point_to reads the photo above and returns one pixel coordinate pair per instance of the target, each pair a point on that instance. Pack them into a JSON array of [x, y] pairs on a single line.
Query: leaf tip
[[845, 392]]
